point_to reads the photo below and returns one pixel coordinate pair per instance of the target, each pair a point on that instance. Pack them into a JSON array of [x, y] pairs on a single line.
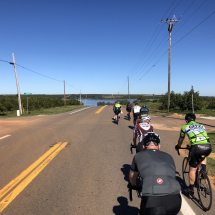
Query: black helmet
[[136, 103], [151, 137], [190, 117]]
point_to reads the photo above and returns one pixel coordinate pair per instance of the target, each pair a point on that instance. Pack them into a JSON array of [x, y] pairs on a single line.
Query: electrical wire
[[36, 72], [174, 8], [190, 17], [193, 29]]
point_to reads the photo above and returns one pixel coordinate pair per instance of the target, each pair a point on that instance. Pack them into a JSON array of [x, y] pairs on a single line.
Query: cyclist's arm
[[134, 138], [180, 141], [132, 177]]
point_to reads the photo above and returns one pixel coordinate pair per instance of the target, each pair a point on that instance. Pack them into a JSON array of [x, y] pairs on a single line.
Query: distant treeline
[[10, 103], [95, 96]]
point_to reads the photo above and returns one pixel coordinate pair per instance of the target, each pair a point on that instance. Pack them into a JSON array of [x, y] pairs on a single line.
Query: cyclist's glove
[[177, 147]]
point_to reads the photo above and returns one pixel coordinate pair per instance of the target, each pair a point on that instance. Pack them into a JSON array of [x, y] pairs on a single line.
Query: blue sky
[[95, 44]]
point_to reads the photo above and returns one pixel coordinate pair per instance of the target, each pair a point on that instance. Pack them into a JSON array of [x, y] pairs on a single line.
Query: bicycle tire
[[204, 190], [185, 171]]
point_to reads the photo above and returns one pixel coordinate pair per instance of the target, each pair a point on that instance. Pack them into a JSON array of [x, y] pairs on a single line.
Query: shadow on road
[[131, 127], [125, 170], [124, 208]]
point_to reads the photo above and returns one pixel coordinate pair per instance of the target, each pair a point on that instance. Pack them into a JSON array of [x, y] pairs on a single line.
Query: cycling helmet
[[144, 106], [136, 103], [128, 102], [190, 117], [145, 117], [151, 137]]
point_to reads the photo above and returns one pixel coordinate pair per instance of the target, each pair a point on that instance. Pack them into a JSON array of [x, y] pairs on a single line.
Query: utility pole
[[17, 84], [80, 97], [170, 21], [64, 95], [192, 99], [128, 89]]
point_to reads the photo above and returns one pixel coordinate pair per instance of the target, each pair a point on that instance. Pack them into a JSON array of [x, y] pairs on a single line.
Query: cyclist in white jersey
[[136, 112], [141, 128]]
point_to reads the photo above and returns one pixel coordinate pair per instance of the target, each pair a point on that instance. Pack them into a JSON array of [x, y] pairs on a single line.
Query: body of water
[[93, 102]]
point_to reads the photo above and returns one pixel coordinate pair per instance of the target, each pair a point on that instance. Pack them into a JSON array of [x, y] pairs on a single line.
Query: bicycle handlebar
[[188, 147], [130, 188], [131, 147]]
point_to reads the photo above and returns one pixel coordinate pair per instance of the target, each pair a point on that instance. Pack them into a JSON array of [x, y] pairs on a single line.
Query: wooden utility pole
[[17, 84], [80, 97], [171, 21], [64, 95], [192, 99], [128, 89]]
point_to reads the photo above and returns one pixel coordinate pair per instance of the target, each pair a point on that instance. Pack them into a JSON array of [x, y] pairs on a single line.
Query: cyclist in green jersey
[[117, 111], [200, 145]]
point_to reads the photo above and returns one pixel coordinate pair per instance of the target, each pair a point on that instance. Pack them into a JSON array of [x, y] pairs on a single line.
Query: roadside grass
[[211, 166], [48, 111], [212, 140]]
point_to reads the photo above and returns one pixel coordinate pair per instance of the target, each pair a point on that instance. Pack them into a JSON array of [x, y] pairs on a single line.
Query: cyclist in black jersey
[[160, 189]]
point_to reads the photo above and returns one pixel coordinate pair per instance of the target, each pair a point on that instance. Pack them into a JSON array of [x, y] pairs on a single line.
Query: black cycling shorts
[[128, 110], [160, 205], [136, 115], [117, 112], [196, 153]]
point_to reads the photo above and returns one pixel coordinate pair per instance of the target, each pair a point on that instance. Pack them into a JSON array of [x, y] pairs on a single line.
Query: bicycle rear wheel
[[185, 171], [204, 190]]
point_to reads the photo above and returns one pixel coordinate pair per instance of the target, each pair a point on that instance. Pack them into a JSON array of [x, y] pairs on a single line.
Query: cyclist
[[117, 111], [160, 189], [114, 109], [136, 112], [128, 109], [143, 126], [144, 110], [200, 146]]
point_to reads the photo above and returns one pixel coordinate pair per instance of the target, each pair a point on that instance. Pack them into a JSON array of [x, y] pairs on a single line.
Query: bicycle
[[128, 116], [202, 182], [117, 117]]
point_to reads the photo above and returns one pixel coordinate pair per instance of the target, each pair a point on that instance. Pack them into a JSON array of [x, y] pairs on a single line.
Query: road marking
[[15, 181], [12, 195], [185, 208], [97, 112], [79, 110], [4, 136]]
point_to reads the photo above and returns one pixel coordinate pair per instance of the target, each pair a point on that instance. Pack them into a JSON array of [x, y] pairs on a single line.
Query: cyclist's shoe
[[189, 190]]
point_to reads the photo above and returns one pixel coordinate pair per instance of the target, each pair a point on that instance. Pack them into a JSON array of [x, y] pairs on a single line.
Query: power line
[[175, 44], [193, 28], [188, 8], [37, 73], [175, 8], [190, 17]]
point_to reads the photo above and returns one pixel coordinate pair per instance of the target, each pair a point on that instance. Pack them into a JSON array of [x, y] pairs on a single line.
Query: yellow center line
[[15, 181], [97, 112], [12, 195]]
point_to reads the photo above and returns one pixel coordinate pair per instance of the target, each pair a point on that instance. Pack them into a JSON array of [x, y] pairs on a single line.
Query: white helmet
[[145, 117]]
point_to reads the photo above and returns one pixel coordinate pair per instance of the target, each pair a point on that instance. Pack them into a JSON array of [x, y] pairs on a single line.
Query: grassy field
[[47, 111]]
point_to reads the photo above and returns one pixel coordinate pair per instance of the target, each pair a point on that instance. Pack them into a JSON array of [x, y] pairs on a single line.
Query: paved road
[[87, 176]]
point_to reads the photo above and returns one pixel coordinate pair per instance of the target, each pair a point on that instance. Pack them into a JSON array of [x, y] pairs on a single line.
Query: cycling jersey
[[196, 133], [117, 108], [136, 109], [141, 129], [157, 170], [128, 107], [144, 111]]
